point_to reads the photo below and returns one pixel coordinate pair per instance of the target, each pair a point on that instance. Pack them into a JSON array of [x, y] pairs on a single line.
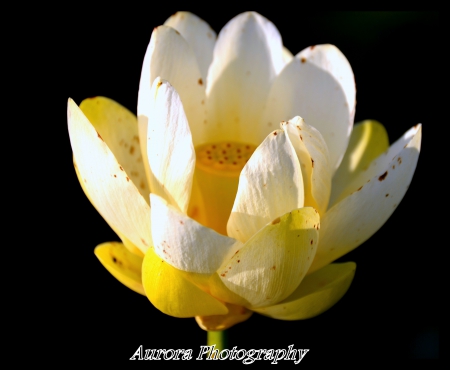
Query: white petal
[[247, 57], [198, 34], [119, 129], [318, 85], [170, 57], [270, 185], [357, 217], [111, 190], [171, 154], [184, 243], [312, 153]]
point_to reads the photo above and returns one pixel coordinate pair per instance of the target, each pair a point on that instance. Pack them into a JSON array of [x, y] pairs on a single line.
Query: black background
[[391, 311]]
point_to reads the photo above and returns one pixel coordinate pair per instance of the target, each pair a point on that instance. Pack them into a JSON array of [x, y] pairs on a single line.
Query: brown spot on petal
[[387, 195], [273, 268], [181, 223], [128, 179], [275, 133], [359, 188], [100, 136], [312, 162], [311, 242], [399, 160], [121, 168], [383, 176], [312, 47], [276, 221], [131, 149], [115, 175], [303, 60], [239, 261], [200, 81]]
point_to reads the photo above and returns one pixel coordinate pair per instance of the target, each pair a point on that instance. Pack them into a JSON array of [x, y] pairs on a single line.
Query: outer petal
[[111, 190], [270, 185], [270, 266], [199, 35], [236, 314], [317, 293], [122, 264], [170, 57], [318, 84], [356, 218], [119, 129], [172, 293], [369, 139], [247, 57], [184, 243], [171, 154], [126, 242], [312, 153]]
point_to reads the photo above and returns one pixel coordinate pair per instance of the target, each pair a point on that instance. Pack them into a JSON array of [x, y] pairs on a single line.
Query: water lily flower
[[242, 178]]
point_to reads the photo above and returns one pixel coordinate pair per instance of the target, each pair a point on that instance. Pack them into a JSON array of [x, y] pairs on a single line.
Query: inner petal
[[218, 166]]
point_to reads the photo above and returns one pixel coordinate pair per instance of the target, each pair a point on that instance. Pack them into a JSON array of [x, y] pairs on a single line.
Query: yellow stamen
[[218, 166]]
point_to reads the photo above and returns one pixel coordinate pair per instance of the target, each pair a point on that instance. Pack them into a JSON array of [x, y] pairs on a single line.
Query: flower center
[[218, 166], [224, 159]]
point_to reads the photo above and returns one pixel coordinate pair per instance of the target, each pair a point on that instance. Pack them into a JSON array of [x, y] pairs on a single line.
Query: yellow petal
[[316, 293], [287, 55], [269, 267], [118, 127], [172, 293], [369, 139], [235, 315], [122, 264]]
